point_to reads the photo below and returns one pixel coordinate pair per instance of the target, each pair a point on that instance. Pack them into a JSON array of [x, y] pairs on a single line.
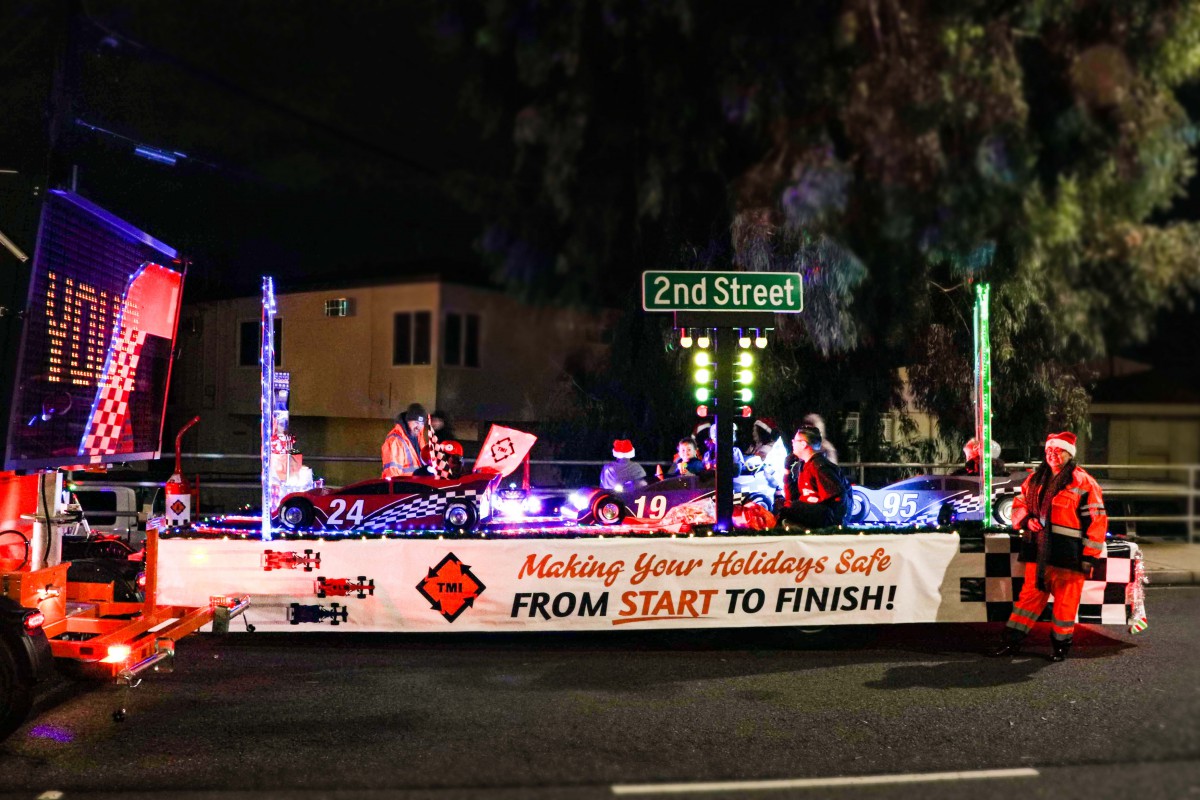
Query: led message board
[[99, 328]]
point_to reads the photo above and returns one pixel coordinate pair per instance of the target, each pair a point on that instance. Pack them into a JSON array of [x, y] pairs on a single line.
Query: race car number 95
[[903, 504]]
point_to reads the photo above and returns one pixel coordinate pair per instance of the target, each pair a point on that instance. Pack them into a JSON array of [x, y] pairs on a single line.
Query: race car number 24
[[337, 508], [903, 504]]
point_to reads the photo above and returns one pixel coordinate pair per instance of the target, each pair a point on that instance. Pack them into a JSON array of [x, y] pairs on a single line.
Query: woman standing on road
[[1060, 514]]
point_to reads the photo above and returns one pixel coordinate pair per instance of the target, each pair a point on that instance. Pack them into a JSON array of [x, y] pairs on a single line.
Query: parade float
[[438, 554]]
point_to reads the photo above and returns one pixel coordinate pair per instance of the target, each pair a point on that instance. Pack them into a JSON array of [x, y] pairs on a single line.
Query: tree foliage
[[893, 152]]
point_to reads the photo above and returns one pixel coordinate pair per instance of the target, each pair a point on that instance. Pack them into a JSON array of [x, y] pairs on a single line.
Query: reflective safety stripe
[[1018, 625], [1094, 507], [391, 464], [1065, 531], [1076, 490], [1020, 612], [1062, 637]]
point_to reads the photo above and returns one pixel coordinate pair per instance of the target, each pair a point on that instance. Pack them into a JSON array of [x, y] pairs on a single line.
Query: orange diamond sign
[[450, 587]]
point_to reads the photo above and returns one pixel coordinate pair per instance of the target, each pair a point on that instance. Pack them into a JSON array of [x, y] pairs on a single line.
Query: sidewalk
[[1171, 563]]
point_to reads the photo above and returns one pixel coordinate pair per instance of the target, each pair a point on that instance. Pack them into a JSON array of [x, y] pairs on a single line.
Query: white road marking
[[814, 783]]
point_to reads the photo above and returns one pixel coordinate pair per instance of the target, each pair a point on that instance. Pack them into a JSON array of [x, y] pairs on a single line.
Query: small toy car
[[287, 559], [343, 587], [336, 614]]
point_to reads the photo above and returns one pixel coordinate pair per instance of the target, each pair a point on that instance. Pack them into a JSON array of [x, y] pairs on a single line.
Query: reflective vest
[[1076, 527], [399, 455]]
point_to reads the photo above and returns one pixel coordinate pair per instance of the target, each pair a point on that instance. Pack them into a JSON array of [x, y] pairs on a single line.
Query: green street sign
[[689, 290]]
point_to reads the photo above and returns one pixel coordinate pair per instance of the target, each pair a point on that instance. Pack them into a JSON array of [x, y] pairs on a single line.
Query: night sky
[[318, 136], [319, 139]]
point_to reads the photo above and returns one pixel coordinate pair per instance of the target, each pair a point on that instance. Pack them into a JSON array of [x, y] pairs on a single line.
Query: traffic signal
[[743, 377], [702, 375]]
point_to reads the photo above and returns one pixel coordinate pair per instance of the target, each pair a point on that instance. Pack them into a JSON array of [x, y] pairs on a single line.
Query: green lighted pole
[[983, 398]]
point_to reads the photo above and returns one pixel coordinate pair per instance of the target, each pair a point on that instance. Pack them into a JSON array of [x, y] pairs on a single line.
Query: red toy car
[[343, 587], [391, 504], [286, 559]]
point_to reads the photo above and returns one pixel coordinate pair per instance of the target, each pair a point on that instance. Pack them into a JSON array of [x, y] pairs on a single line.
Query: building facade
[[359, 355]]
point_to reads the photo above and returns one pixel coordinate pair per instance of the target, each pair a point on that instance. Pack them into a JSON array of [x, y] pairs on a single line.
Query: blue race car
[[928, 500]]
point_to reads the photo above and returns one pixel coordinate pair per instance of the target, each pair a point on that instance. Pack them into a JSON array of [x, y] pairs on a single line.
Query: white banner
[[574, 584]]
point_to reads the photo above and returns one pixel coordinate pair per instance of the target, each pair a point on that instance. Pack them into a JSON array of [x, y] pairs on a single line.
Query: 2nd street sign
[[688, 290]]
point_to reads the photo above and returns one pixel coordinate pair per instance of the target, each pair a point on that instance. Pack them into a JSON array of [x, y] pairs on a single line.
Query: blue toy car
[[928, 500]]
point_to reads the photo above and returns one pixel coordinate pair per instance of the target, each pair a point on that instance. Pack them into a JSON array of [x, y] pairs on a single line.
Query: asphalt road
[[633, 714]]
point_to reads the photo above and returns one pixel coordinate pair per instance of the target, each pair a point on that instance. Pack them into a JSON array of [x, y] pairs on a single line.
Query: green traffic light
[[703, 376], [702, 395], [745, 376], [745, 360], [746, 395]]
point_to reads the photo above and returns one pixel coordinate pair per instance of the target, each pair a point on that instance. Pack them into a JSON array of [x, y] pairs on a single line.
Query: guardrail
[[1185, 490]]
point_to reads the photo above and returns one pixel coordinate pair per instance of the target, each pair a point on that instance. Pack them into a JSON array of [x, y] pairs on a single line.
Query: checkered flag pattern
[[104, 431], [1104, 599], [439, 465], [396, 515], [966, 505]]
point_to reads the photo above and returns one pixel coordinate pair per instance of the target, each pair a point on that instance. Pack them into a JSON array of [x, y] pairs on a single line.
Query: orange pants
[[1066, 586]]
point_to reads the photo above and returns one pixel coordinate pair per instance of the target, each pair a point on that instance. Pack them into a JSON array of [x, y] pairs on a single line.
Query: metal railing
[[1183, 492]]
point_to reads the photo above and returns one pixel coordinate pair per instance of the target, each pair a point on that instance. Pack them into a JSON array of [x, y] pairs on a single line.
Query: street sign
[[690, 290]]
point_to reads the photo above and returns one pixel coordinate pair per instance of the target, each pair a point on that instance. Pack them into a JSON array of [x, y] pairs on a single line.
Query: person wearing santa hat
[[1060, 514], [973, 463], [622, 474]]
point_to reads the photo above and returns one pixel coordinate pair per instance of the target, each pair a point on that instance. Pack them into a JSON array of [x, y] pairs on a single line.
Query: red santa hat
[[1063, 441], [622, 448]]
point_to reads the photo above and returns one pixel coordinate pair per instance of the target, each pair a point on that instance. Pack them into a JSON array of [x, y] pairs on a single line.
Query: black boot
[[1061, 648], [1010, 644]]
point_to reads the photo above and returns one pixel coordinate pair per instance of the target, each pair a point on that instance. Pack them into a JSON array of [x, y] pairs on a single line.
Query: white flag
[[504, 449]]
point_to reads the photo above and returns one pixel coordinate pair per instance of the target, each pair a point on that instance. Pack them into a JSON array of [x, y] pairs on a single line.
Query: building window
[[412, 342], [339, 307], [250, 342], [851, 428], [460, 340]]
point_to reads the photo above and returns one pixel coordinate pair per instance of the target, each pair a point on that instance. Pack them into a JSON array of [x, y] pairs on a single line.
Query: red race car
[[391, 504]]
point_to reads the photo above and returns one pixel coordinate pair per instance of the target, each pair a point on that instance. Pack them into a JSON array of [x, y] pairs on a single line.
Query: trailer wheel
[[16, 693]]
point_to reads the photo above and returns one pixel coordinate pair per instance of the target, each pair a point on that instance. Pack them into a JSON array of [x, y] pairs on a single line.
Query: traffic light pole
[[725, 346]]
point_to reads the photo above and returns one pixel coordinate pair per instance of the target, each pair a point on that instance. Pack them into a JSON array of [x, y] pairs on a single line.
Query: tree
[[893, 152]]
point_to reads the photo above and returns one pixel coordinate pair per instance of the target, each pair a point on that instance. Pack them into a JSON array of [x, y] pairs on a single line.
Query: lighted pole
[[983, 398], [725, 345], [267, 362]]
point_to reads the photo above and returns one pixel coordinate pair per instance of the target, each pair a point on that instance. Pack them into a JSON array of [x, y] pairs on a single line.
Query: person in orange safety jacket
[[1060, 514], [405, 449]]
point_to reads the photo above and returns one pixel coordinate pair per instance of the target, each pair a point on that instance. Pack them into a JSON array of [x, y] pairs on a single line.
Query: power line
[[269, 103]]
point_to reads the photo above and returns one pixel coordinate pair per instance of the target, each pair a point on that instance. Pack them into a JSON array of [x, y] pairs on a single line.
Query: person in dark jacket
[[1060, 514], [815, 491]]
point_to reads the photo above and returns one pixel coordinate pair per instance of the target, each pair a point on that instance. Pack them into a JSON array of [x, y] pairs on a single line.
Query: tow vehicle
[[99, 614]]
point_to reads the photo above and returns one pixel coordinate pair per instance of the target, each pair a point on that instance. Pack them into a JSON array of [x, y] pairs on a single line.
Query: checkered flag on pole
[[439, 465]]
